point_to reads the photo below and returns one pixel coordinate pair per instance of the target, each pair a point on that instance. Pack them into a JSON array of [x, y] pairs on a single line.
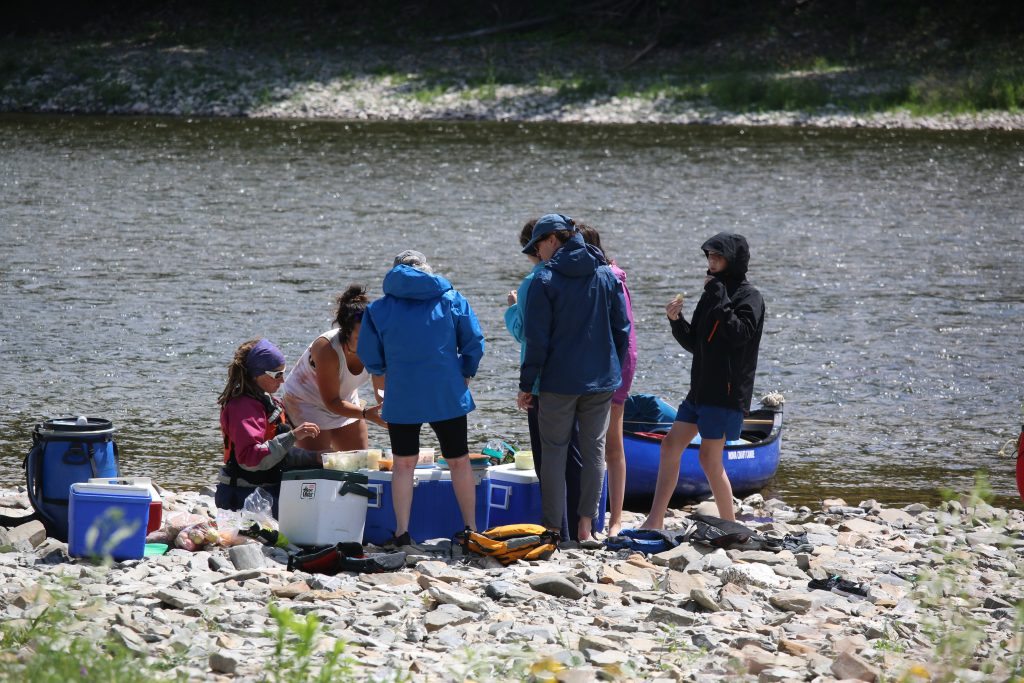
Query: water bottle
[[82, 420]]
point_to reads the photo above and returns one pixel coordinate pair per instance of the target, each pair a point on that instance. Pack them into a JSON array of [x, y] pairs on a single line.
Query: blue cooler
[[108, 520], [435, 512], [515, 496]]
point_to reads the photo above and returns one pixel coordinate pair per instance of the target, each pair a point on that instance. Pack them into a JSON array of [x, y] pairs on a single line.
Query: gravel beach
[[944, 601], [432, 83]]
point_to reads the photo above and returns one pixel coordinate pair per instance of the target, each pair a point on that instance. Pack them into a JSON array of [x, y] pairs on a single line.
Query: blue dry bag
[[66, 451]]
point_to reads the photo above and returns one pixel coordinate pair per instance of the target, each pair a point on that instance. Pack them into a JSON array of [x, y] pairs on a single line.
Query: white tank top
[[301, 384]]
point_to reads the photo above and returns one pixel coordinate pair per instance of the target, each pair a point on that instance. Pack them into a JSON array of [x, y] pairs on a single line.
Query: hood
[[574, 259], [406, 282], [735, 250]]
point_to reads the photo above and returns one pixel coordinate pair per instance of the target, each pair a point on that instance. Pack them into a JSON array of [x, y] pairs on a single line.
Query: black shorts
[[451, 434]]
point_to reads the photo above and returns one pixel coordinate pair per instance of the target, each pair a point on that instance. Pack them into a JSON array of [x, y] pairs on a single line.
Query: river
[[137, 253]]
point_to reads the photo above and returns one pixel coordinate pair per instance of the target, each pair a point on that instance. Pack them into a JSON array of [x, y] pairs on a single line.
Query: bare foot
[[651, 523], [614, 529], [584, 529]]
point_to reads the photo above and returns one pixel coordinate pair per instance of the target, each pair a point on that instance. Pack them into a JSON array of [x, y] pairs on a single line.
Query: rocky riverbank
[[945, 601], [527, 83]]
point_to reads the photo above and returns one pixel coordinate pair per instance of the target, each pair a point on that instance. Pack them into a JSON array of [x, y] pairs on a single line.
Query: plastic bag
[[174, 522], [258, 509], [193, 538], [229, 524], [500, 452]]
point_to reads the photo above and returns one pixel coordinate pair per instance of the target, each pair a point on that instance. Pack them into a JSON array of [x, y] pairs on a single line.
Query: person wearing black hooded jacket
[[724, 335]]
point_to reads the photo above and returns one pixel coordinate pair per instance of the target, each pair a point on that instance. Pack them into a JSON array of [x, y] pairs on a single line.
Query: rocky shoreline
[[945, 601], [441, 83]]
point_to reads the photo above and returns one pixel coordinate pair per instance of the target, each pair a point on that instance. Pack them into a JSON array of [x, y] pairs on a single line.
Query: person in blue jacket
[[423, 338], [577, 334], [515, 323]]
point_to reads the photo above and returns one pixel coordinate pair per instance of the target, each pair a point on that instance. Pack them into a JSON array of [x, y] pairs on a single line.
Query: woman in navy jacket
[[424, 339]]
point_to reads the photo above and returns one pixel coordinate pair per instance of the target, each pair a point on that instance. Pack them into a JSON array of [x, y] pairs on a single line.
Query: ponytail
[[351, 304]]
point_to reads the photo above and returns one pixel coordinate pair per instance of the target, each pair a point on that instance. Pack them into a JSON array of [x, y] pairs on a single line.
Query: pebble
[[691, 613]]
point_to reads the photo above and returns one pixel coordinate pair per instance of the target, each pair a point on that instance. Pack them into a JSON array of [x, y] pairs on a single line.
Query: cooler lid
[[509, 473], [331, 475], [114, 490]]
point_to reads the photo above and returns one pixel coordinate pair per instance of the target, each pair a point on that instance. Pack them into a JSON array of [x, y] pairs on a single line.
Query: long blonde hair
[[239, 381]]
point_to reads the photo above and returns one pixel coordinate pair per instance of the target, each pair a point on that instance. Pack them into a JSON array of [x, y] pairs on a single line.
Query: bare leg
[[678, 437], [615, 461], [351, 437], [465, 489], [401, 490], [584, 527], [714, 470]]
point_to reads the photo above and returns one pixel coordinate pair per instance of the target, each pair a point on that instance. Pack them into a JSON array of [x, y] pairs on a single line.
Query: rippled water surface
[[138, 253]]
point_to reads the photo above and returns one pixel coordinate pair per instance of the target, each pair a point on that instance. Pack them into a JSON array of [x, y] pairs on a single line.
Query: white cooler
[[322, 507]]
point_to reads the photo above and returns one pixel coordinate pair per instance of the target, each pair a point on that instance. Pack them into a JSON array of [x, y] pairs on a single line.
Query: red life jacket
[[277, 423], [1020, 463]]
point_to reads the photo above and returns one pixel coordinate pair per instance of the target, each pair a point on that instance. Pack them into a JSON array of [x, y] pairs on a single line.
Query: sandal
[[840, 586], [398, 541]]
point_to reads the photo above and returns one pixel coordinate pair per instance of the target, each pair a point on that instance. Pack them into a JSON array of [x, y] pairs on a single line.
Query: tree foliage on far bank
[[850, 27]]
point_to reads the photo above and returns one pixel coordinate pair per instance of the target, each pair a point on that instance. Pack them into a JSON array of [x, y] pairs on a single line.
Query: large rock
[[33, 533], [849, 665], [247, 556], [556, 585], [759, 575]]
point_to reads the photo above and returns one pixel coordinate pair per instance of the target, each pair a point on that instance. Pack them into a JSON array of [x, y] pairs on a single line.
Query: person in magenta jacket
[[258, 440], [615, 450]]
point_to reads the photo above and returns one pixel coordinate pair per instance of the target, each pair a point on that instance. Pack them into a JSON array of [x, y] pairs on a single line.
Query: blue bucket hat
[[546, 225]]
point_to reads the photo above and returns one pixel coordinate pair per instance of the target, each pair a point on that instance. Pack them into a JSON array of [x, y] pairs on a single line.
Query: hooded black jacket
[[725, 331]]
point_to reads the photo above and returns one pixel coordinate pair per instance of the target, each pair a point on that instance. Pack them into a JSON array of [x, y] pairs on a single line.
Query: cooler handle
[[376, 494], [507, 490], [355, 489]]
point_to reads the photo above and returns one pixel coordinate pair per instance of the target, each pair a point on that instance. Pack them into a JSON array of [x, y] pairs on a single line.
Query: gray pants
[[557, 413]]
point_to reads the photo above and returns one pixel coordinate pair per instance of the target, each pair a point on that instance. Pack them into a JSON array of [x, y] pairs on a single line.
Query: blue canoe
[[750, 464]]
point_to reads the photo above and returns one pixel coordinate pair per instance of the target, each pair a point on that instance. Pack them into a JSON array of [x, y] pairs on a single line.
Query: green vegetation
[[54, 646], [297, 657]]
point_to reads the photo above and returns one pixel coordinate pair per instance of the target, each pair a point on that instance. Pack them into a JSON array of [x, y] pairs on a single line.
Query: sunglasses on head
[[276, 374]]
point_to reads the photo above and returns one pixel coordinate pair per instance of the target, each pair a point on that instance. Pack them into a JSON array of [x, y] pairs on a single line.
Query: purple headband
[[262, 357]]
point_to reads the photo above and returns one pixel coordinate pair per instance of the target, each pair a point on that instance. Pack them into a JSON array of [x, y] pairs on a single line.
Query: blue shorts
[[713, 422]]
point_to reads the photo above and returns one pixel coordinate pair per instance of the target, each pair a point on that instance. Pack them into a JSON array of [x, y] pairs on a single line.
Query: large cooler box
[[515, 497], [108, 520], [156, 503], [435, 512], [322, 507]]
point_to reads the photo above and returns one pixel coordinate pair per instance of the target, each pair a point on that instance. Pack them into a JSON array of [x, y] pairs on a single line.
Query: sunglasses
[[276, 374]]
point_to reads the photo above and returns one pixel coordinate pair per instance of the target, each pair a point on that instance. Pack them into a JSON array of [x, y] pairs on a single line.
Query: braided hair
[[351, 304], [239, 381]]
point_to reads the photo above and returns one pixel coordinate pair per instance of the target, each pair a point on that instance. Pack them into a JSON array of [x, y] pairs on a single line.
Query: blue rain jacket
[[424, 336], [514, 315], [576, 325]]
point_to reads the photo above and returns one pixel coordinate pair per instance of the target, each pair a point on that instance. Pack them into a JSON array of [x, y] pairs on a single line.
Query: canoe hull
[[750, 466]]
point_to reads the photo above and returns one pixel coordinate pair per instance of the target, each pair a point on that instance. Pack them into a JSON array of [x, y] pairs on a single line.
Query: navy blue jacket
[[425, 338], [724, 333], [577, 328]]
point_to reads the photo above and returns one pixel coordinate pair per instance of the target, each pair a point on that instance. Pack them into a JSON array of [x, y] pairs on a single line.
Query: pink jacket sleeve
[[245, 423]]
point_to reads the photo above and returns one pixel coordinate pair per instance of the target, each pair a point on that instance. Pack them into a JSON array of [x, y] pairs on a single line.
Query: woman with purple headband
[[258, 441]]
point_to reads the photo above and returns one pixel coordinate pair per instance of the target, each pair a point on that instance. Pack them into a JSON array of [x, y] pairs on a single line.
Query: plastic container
[[523, 460], [514, 496], [435, 512], [322, 507], [346, 461], [156, 504], [108, 520]]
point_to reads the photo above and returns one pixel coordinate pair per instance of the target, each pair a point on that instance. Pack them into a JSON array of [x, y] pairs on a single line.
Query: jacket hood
[[574, 259], [735, 250], [406, 282]]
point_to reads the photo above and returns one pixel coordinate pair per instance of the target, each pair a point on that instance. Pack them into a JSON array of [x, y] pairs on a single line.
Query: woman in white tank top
[[323, 387]]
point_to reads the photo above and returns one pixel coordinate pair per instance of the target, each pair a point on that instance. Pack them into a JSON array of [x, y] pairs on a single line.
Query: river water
[[137, 253]]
